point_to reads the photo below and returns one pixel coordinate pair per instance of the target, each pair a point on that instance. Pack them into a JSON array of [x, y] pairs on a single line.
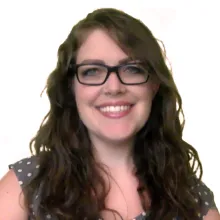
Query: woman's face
[[112, 112]]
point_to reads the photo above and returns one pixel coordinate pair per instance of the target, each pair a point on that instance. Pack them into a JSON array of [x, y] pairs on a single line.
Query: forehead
[[100, 46]]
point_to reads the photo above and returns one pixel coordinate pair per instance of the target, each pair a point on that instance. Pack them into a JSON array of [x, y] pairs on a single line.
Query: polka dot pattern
[[27, 168]]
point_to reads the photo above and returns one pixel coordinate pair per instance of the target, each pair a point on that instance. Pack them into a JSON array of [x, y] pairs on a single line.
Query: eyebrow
[[97, 61]]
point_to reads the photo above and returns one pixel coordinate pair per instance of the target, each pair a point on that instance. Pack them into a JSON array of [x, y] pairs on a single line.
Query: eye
[[134, 70], [90, 72]]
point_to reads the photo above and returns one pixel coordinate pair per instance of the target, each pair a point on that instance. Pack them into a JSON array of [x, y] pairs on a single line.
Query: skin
[[112, 138]]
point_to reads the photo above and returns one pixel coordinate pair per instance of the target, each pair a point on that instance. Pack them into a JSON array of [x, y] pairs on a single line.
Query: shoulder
[[11, 196], [25, 169], [205, 199]]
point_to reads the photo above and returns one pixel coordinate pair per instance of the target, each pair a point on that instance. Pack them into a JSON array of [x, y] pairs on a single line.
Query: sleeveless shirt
[[27, 168]]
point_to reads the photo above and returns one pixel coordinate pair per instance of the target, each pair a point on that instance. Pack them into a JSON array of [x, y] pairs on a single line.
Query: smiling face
[[112, 112]]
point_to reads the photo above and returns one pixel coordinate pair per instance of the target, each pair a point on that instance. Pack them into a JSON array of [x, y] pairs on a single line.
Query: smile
[[116, 109]]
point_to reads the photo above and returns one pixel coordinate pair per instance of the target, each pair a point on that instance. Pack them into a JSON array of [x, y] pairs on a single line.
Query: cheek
[[82, 101], [146, 94], [85, 96], [145, 102]]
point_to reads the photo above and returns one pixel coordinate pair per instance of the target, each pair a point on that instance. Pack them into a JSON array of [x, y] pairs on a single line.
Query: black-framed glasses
[[97, 74]]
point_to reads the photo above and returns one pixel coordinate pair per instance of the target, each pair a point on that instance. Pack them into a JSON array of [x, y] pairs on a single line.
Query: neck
[[116, 156]]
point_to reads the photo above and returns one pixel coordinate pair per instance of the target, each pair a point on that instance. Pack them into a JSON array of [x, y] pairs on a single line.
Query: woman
[[111, 145]]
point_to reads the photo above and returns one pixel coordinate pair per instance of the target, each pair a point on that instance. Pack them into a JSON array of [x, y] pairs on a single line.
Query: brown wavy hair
[[69, 183]]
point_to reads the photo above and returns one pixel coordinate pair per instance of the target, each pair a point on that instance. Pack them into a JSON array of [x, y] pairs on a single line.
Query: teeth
[[115, 108]]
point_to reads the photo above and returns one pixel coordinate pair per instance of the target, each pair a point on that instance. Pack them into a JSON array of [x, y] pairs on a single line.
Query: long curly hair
[[69, 183]]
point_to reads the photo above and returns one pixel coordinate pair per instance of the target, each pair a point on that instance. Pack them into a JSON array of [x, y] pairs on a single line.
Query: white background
[[31, 31]]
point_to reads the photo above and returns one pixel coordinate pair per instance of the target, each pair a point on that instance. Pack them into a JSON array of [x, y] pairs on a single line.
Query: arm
[[209, 210], [11, 198], [212, 215]]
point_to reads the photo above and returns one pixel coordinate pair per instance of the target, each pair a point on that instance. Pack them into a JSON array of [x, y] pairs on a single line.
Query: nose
[[113, 85]]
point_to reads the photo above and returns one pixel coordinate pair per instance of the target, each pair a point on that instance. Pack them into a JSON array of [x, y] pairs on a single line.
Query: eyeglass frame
[[110, 69]]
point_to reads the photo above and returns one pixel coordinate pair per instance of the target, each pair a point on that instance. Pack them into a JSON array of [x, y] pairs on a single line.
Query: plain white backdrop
[[31, 32]]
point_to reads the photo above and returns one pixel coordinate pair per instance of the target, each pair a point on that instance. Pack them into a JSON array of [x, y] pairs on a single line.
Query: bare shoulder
[[11, 198], [212, 215]]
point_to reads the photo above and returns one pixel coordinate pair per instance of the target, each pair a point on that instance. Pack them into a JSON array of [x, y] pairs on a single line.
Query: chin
[[118, 138]]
